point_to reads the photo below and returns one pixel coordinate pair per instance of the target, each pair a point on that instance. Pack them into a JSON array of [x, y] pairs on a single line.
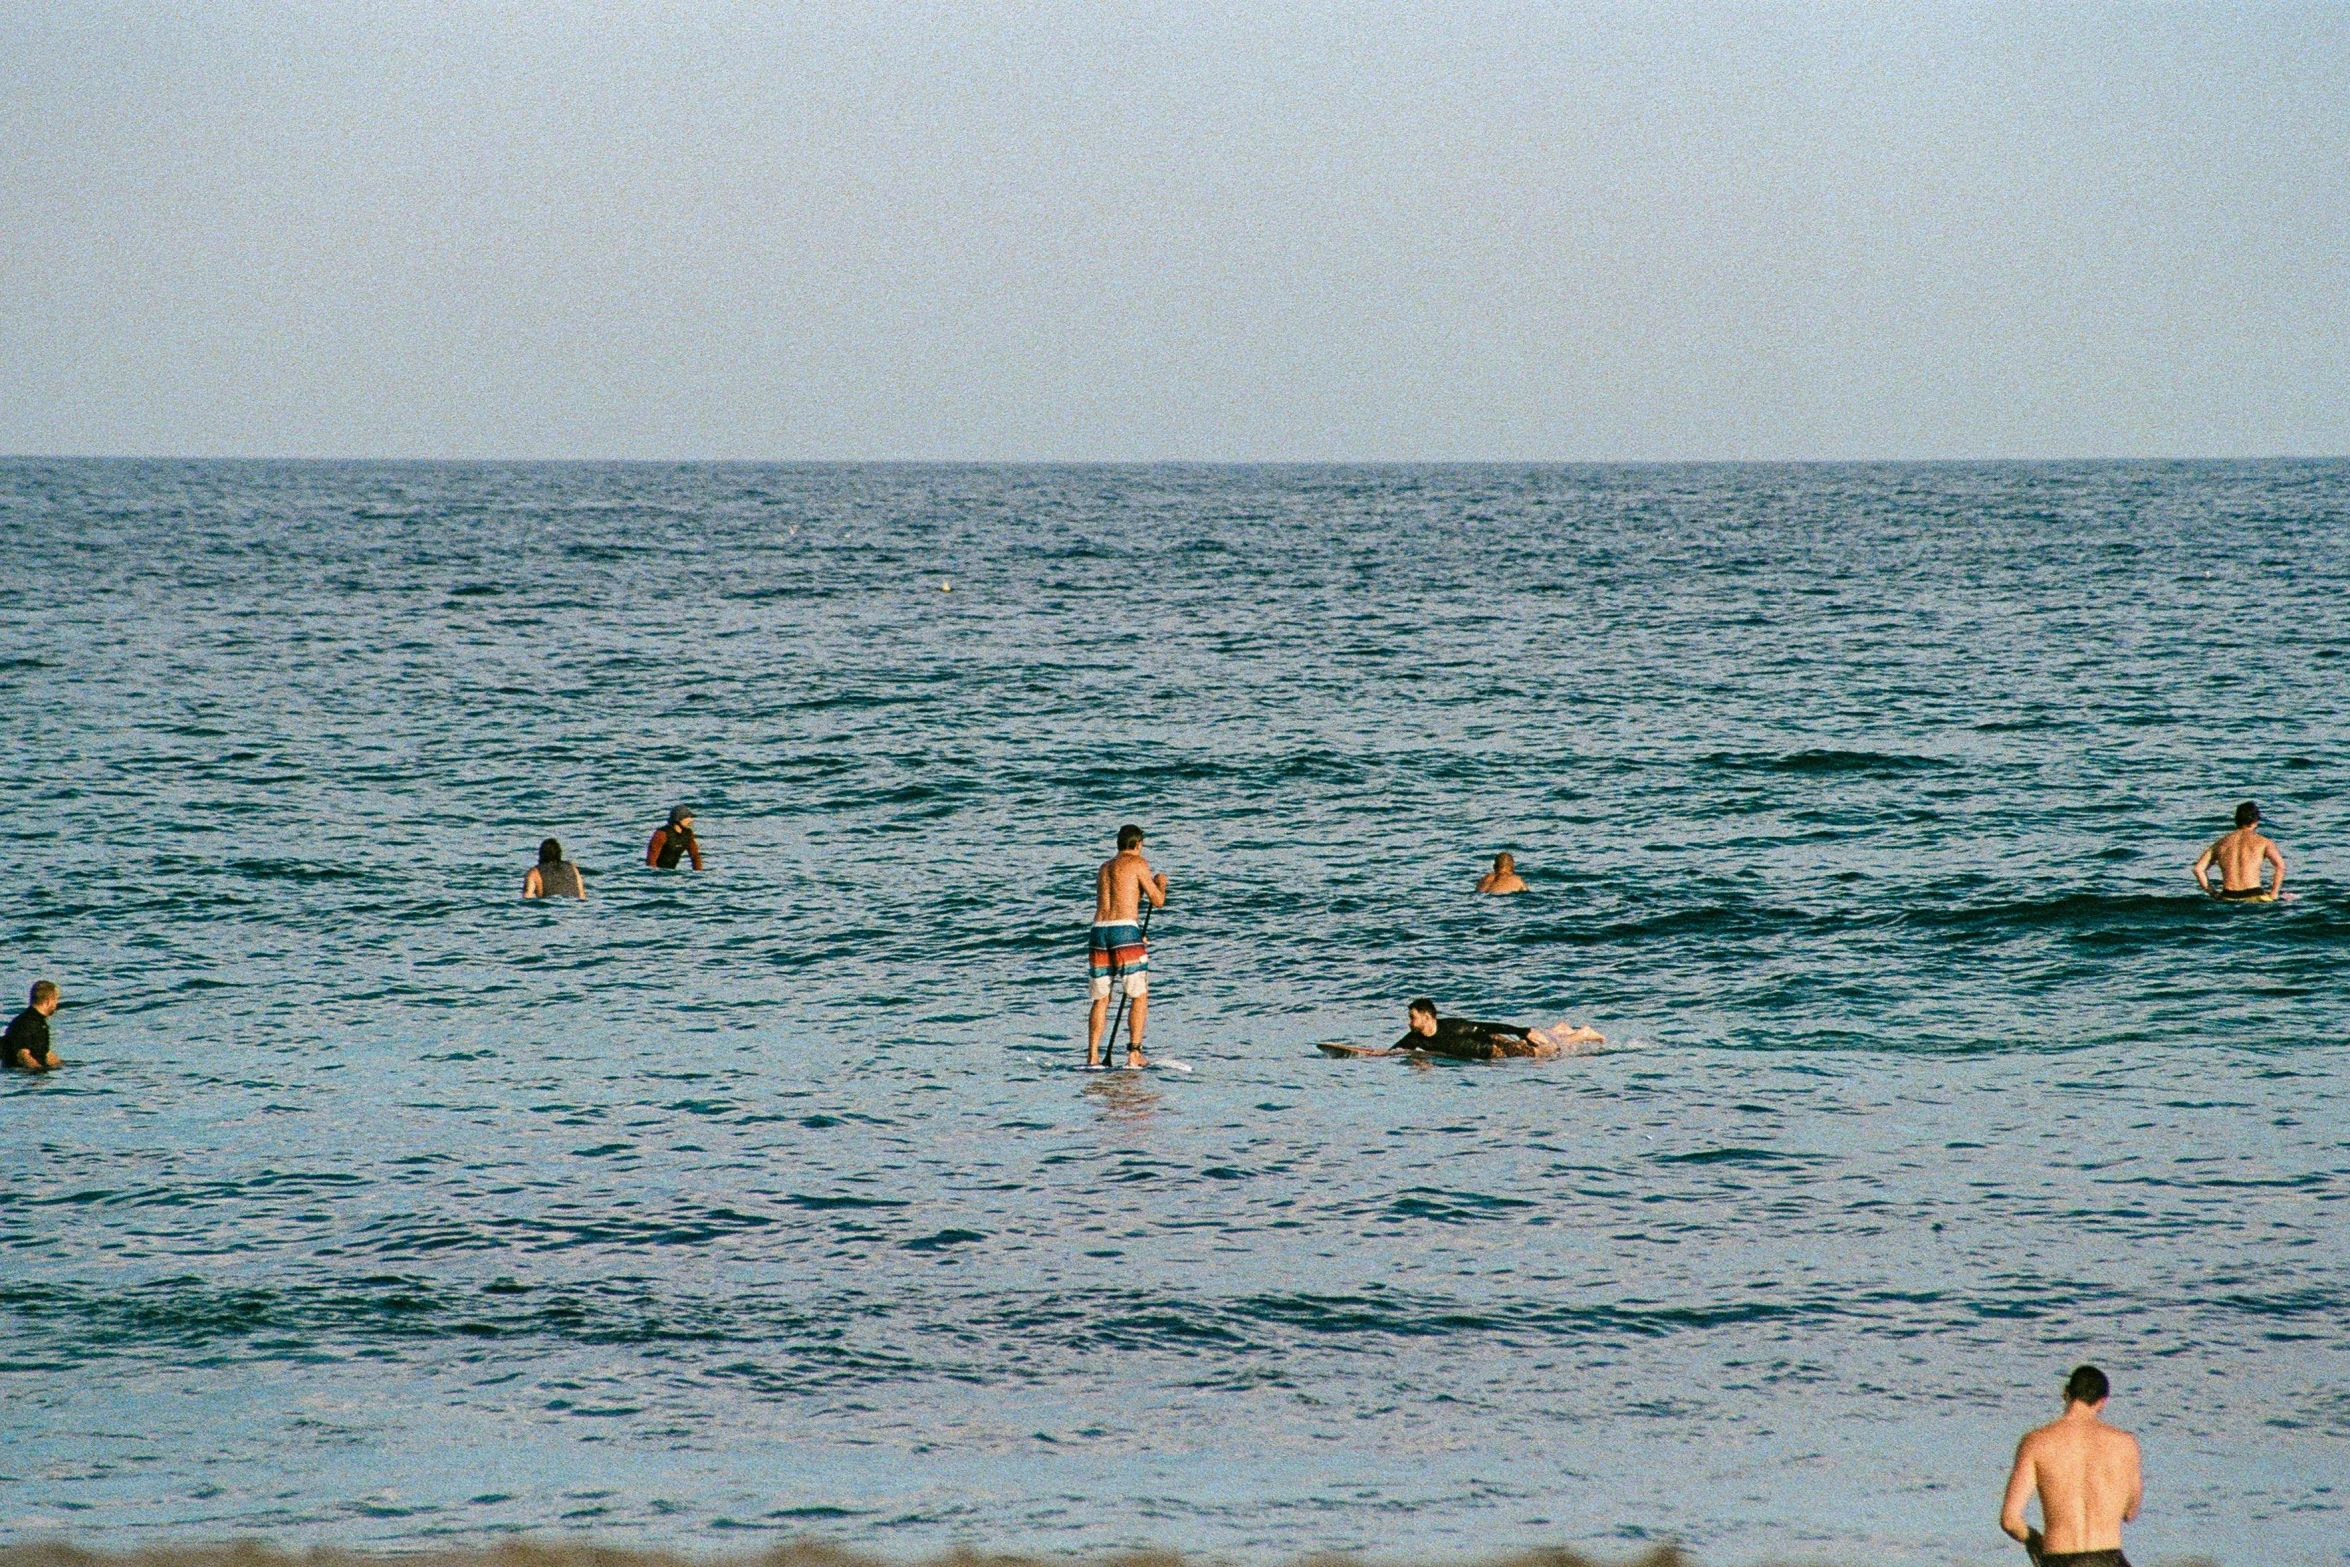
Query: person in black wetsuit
[[674, 842], [1466, 1039], [26, 1045]]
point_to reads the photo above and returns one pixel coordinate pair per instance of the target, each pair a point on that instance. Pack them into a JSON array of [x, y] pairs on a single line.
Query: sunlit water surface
[[378, 1206]]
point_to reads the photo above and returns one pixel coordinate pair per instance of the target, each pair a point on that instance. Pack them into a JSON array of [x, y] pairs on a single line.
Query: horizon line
[[1171, 462]]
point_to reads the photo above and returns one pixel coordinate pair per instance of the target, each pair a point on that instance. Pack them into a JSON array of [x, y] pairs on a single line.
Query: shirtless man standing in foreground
[[2087, 1475], [2239, 855], [1115, 949]]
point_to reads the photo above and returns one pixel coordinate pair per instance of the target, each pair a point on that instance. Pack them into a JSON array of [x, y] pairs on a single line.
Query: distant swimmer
[[1115, 951], [1465, 1039], [2086, 1474], [2238, 856], [26, 1045], [553, 876], [1503, 877], [674, 842]]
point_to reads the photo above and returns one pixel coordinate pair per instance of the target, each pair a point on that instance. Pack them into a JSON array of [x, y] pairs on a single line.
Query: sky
[[1108, 231]]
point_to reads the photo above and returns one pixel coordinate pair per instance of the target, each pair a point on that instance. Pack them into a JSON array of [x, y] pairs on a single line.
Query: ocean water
[[379, 1207]]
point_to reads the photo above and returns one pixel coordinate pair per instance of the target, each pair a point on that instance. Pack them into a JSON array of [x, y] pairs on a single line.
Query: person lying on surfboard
[[2239, 856], [1115, 950], [1465, 1039]]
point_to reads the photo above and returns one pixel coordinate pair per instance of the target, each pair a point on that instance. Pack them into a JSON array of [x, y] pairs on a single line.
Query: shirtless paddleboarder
[[2238, 856], [2086, 1474], [1115, 950]]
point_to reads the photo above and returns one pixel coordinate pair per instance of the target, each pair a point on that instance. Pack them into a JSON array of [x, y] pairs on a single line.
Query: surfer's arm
[[1155, 888], [2022, 1481], [532, 886], [2276, 889], [2202, 864], [693, 847], [653, 845]]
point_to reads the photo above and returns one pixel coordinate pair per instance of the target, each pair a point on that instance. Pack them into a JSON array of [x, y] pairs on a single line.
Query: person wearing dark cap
[[2087, 1478], [26, 1045], [2238, 856], [553, 876], [674, 842]]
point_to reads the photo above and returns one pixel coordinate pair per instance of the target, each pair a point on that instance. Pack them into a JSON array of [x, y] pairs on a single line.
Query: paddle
[[1110, 1040]]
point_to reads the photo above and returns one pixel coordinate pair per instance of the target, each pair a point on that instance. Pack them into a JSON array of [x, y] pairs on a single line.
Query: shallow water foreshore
[[531, 1554]]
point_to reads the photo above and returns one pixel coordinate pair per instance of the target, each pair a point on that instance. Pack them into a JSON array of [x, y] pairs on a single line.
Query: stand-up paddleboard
[[1155, 1064], [1333, 1048]]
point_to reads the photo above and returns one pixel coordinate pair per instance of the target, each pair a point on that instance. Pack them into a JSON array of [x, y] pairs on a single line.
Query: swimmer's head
[[2247, 814], [681, 815], [44, 996], [2087, 1385], [1129, 837], [550, 852], [1423, 1007], [1505, 862]]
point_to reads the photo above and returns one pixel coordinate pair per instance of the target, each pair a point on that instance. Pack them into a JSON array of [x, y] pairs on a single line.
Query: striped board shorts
[[1115, 951]]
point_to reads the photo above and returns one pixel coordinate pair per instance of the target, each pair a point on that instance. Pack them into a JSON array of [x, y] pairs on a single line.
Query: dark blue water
[[378, 1206]]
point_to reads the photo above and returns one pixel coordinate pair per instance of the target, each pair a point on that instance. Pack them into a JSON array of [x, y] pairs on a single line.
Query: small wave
[[2080, 910], [1824, 761], [1762, 1158], [1424, 1202], [944, 1240]]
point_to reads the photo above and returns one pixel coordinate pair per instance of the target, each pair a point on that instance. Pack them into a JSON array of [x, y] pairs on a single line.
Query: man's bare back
[[2085, 1473], [1122, 883], [2239, 856], [1503, 878]]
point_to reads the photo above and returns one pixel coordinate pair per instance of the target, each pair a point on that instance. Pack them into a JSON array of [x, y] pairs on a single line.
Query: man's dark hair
[[2087, 1385], [2247, 814], [550, 852], [1129, 837], [1423, 1004], [43, 990]]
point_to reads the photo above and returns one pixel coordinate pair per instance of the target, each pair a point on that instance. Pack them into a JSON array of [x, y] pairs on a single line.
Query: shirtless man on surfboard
[[1115, 950], [2239, 856]]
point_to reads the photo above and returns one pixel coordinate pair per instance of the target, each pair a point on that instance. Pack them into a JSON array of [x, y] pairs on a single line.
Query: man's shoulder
[[2043, 1436]]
